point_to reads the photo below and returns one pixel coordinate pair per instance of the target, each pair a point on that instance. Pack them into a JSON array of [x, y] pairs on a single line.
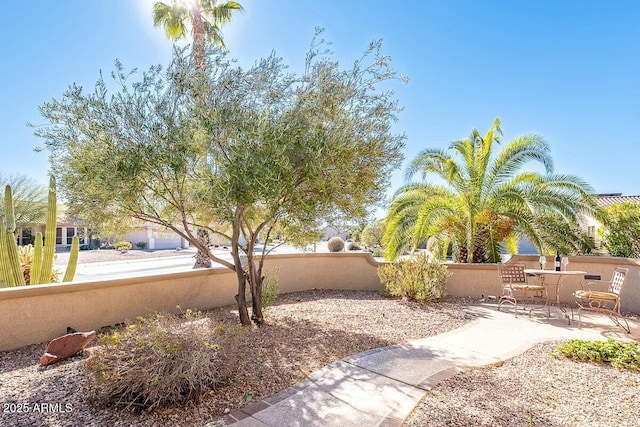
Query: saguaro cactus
[[44, 276], [4, 278], [43, 267], [36, 263], [42, 261], [73, 260], [12, 272]]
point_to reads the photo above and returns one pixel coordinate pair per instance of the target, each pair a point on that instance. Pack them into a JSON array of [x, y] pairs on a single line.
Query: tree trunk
[[462, 254], [198, 39], [202, 259], [241, 297], [255, 283]]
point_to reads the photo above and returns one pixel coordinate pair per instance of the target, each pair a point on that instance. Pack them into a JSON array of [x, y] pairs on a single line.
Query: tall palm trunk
[[198, 39], [198, 52]]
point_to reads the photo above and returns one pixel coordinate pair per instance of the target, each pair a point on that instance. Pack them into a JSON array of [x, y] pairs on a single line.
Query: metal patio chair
[[607, 302], [516, 288]]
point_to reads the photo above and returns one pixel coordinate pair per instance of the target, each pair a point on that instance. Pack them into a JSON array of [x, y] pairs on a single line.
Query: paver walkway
[[380, 387]]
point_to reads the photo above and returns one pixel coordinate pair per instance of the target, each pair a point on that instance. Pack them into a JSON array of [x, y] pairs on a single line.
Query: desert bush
[[378, 252], [417, 279], [620, 355], [335, 244], [141, 245], [122, 245], [162, 361], [270, 288], [25, 258], [354, 247]]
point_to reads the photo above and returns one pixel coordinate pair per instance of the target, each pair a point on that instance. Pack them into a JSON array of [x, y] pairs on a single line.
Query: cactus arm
[[50, 233], [10, 215], [13, 272], [73, 260], [4, 260], [36, 263]]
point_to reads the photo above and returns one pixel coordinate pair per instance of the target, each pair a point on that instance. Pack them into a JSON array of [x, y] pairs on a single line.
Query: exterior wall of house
[[330, 232], [34, 314], [156, 238], [64, 234]]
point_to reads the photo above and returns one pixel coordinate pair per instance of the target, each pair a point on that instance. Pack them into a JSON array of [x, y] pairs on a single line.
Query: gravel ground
[[534, 389], [308, 330], [304, 332]]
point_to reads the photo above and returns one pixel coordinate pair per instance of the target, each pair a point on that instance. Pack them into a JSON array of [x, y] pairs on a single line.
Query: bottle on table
[[557, 261]]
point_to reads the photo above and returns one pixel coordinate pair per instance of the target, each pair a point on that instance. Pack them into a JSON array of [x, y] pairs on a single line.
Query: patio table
[[559, 276]]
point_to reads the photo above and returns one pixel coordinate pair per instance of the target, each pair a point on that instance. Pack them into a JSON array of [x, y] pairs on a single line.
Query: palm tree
[[485, 201], [205, 17]]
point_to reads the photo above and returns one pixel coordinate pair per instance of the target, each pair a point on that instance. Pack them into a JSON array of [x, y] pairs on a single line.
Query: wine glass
[[543, 261], [564, 261]]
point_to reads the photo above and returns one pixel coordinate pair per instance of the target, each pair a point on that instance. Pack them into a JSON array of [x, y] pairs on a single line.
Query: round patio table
[[560, 276]]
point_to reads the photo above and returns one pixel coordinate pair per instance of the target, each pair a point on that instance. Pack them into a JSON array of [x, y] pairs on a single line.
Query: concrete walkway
[[380, 387]]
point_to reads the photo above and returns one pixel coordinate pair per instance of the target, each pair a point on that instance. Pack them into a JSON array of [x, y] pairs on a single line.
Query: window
[[59, 236], [27, 236], [81, 235], [591, 231], [71, 231]]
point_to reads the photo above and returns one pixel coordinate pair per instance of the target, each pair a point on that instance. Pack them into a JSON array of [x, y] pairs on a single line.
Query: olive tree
[[372, 234], [622, 229], [239, 152]]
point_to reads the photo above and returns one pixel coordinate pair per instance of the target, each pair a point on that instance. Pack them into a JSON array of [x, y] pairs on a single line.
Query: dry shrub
[[335, 244], [162, 361]]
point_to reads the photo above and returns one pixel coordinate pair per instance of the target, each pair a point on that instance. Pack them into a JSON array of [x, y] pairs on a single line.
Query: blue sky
[[568, 70]]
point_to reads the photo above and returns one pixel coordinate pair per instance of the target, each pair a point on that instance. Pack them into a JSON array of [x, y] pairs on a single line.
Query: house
[[151, 236], [330, 231], [591, 225], [65, 230], [587, 222]]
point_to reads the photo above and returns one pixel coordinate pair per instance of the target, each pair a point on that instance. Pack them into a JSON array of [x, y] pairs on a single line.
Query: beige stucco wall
[[475, 280], [35, 314]]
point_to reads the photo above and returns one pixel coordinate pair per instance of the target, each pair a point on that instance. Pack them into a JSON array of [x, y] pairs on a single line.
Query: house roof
[[605, 200]]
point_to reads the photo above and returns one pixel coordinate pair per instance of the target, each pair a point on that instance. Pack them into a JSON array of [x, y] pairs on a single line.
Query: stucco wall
[[475, 280], [35, 314]]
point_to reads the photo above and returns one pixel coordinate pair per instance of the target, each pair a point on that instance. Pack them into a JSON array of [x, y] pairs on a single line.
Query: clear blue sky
[[568, 70]]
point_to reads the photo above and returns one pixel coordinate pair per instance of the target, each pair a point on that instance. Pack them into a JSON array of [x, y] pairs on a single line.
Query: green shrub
[[335, 244], [141, 245], [417, 279], [270, 288], [620, 355], [122, 245], [162, 361], [354, 247], [378, 252], [372, 234]]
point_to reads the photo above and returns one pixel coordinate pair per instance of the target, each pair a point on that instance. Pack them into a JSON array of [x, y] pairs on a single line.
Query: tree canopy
[[486, 199], [234, 151], [30, 199], [621, 232]]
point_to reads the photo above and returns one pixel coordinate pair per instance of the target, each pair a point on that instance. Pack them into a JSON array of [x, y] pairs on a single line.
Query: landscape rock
[[66, 346]]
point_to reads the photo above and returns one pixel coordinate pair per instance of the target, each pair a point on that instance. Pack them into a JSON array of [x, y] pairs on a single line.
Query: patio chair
[[517, 289], [607, 302]]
